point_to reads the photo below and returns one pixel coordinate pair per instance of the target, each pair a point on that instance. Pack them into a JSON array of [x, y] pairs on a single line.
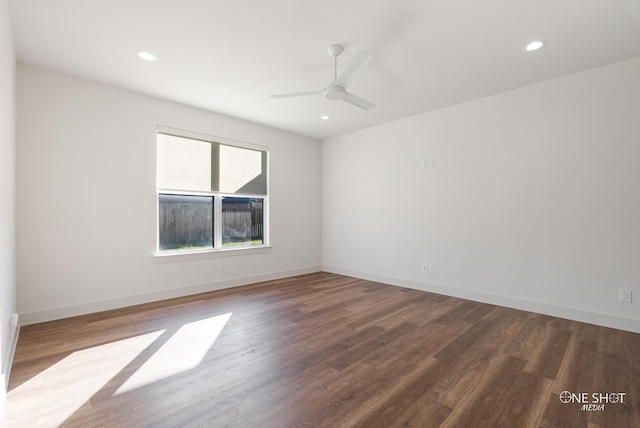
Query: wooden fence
[[187, 221], [242, 220]]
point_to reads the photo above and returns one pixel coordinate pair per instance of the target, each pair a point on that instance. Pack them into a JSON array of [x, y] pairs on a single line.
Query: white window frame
[[218, 249]]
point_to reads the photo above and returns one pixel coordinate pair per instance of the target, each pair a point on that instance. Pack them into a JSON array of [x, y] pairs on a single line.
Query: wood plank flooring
[[322, 350]]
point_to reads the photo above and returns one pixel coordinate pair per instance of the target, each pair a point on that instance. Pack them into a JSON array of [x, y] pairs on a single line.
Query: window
[[212, 194]]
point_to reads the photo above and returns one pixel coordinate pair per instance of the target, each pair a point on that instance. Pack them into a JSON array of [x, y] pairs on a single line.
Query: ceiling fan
[[337, 89]]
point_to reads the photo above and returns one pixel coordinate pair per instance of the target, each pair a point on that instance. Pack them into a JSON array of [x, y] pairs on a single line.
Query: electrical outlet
[[625, 295], [13, 320], [220, 266], [427, 268], [429, 161]]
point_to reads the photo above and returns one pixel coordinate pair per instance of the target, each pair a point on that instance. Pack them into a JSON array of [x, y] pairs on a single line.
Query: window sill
[[167, 257]]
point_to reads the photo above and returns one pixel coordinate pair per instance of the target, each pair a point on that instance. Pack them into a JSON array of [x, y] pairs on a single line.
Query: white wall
[[7, 193], [86, 203], [533, 202]]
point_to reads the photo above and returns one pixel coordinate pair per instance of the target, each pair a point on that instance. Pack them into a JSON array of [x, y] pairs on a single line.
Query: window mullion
[[217, 221]]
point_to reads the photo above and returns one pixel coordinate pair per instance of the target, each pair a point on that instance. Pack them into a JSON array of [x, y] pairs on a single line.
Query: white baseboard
[[14, 332], [604, 320], [50, 314], [3, 392]]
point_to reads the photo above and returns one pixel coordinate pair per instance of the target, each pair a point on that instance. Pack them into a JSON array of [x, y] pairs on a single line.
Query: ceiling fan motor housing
[[335, 92]]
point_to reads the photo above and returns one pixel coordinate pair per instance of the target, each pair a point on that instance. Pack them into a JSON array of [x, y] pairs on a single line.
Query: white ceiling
[[228, 56]]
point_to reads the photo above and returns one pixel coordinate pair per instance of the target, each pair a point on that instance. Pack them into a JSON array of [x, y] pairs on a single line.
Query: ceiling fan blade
[[358, 102], [359, 61], [296, 94]]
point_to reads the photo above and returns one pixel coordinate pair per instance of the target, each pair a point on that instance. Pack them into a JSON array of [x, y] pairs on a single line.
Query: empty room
[[319, 214]]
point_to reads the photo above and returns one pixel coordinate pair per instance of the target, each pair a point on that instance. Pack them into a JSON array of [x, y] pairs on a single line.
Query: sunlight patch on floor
[[183, 351], [64, 387]]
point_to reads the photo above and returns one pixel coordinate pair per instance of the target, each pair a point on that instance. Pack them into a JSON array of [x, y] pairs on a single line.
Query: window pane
[[242, 222], [185, 222], [183, 163], [241, 171]]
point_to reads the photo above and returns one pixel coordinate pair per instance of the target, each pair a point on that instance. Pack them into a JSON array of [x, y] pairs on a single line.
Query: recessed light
[[534, 46], [325, 117], [147, 56]]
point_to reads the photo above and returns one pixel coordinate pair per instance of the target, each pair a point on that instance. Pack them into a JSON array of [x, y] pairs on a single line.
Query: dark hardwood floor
[[322, 350]]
